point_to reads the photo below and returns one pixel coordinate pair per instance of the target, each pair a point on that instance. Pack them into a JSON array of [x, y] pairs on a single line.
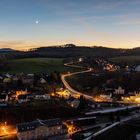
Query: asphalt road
[[73, 91]]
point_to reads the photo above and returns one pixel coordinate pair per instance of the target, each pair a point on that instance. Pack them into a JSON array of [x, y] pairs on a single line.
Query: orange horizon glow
[[25, 46]]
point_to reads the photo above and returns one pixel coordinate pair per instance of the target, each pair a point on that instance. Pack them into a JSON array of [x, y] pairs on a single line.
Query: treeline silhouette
[[63, 52]]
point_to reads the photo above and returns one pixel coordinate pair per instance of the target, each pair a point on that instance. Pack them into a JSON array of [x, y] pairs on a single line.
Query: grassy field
[[36, 65], [127, 59]]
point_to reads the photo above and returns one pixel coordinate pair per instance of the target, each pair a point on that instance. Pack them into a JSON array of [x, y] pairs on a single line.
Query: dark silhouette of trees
[[82, 103]]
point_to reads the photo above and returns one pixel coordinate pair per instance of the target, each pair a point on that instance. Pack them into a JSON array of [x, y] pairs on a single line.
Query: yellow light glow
[[72, 128], [52, 94], [7, 130], [137, 100], [18, 93], [101, 99]]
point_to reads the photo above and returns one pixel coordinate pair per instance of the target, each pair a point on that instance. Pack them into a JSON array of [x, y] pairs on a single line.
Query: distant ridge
[[70, 50], [82, 46], [6, 50]]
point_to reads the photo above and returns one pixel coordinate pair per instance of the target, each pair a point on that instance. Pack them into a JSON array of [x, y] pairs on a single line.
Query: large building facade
[[53, 129]]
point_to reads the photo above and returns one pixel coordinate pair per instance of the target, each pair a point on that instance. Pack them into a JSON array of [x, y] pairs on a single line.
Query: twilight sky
[[31, 23]]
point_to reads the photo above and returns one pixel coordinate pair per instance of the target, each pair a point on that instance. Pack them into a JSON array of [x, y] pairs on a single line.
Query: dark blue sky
[[30, 23]]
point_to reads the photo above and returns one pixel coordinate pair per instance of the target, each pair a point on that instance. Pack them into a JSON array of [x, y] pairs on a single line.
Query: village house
[[1, 79], [119, 91], [15, 79], [3, 100], [73, 103], [23, 99], [53, 129], [7, 80], [106, 97], [41, 96], [132, 98], [65, 94], [137, 69], [43, 81], [28, 79], [108, 91], [21, 92]]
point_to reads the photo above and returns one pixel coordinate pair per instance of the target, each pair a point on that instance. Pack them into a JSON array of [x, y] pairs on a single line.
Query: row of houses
[[23, 97], [115, 91], [25, 78]]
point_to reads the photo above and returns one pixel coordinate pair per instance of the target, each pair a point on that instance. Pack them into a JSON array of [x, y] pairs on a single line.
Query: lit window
[[59, 127]]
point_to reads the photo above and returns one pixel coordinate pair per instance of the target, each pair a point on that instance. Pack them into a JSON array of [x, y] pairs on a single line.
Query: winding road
[[73, 91]]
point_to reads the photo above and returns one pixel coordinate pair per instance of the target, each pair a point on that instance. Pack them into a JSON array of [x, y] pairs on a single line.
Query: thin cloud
[[128, 19], [17, 44], [68, 8], [130, 22]]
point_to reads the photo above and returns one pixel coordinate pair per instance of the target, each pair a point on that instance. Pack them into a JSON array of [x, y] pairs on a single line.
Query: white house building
[[42, 97], [137, 69], [74, 103], [119, 90], [3, 100]]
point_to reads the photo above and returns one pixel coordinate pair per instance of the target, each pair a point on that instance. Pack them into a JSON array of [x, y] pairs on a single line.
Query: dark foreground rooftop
[[34, 124], [127, 131]]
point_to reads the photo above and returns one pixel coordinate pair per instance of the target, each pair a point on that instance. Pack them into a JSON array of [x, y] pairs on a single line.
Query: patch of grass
[[127, 59], [36, 65]]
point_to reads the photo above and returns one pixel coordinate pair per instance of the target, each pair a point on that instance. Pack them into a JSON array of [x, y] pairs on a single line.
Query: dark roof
[[21, 97], [52, 122], [34, 124], [2, 96], [27, 126], [39, 93]]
